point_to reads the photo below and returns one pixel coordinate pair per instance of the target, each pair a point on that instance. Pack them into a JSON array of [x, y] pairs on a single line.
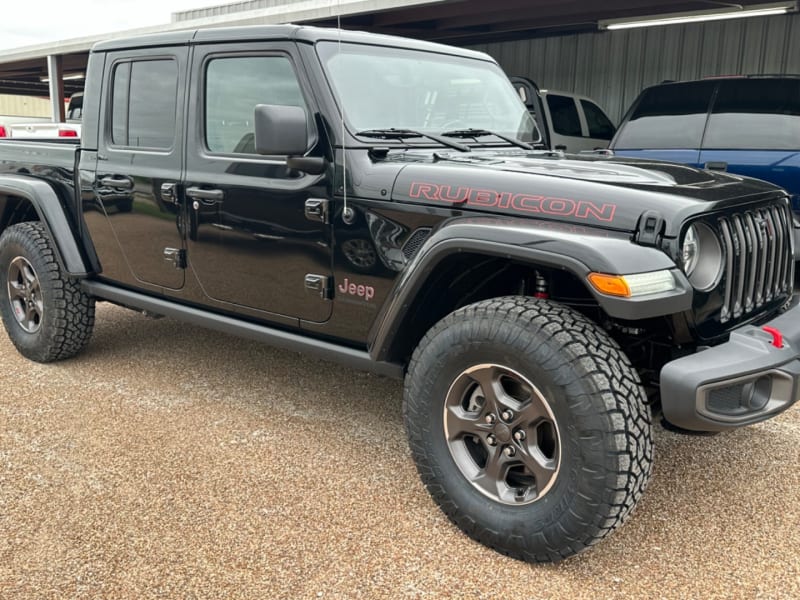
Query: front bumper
[[743, 381]]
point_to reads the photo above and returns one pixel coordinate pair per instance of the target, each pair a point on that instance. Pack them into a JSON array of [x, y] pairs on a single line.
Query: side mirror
[[281, 130]]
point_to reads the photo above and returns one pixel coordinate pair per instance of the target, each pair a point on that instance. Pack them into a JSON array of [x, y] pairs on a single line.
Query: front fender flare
[[578, 250], [51, 213]]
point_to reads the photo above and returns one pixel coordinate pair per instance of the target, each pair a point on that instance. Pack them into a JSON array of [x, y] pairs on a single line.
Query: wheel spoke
[[542, 468], [486, 376], [492, 477], [15, 289], [531, 412], [29, 275], [460, 423]]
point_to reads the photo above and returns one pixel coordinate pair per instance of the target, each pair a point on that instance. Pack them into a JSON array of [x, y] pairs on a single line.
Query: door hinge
[[317, 209], [176, 256], [318, 285], [168, 193]]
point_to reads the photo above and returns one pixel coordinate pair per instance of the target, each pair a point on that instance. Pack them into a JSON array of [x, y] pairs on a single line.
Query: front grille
[[759, 267]]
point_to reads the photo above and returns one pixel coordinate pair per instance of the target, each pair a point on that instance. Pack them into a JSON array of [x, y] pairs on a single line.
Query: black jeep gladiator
[[376, 201]]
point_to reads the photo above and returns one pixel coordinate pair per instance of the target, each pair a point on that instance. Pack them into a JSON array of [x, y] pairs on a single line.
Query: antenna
[[347, 213]]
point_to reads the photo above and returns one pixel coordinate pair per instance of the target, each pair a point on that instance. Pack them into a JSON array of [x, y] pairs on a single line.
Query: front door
[[139, 164], [252, 242]]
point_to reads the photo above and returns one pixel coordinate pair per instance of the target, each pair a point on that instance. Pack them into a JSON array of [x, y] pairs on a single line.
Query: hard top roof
[[300, 33]]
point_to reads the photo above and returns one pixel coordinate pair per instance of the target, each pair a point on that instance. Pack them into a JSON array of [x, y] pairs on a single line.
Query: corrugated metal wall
[[24, 106], [614, 66]]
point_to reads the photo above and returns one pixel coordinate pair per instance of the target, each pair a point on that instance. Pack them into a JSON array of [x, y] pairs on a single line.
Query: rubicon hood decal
[[517, 202]]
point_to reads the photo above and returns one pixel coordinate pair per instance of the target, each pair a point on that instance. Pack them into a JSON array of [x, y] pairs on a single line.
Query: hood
[[592, 190]]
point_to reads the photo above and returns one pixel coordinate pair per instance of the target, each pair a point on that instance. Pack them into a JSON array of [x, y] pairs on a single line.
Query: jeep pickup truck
[[376, 201]]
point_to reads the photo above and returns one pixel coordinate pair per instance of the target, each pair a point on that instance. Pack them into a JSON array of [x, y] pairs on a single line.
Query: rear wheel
[[528, 427], [45, 312]]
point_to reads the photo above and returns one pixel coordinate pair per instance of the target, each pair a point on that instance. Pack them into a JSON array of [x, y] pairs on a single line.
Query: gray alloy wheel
[[25, 294], [502, 434]]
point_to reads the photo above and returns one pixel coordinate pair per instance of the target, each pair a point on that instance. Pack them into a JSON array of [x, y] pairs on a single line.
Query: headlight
[[701, 256]]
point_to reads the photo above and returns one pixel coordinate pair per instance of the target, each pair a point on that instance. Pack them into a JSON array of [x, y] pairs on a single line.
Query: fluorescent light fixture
[[757, 10], [69, 77]]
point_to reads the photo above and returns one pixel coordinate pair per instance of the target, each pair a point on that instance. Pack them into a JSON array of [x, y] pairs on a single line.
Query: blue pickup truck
[[746, 125]]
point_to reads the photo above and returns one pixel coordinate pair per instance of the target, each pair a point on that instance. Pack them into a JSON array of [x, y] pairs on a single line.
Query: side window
[[669, 116], [234, 86], [144, 104], [600, 126], [564, 113], [755, 114]]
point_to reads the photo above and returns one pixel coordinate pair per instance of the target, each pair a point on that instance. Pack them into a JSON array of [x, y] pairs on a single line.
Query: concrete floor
[[171, 462]]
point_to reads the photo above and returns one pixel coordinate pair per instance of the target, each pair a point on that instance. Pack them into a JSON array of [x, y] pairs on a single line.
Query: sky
[[25, 23]]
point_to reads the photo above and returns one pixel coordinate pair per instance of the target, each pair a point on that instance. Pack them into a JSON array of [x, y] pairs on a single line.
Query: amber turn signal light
[[613, 285]]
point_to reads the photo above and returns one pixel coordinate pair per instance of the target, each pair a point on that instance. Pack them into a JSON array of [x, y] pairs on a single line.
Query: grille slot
[[758, 259]]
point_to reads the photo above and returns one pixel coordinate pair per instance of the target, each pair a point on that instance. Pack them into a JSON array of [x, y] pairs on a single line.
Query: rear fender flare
[[51, 213]]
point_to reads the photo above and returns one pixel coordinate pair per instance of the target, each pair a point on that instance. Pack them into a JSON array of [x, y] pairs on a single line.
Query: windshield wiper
[[387, 134], [476, 133]]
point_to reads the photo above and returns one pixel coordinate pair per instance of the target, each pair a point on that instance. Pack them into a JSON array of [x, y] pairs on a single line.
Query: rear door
[[564, 122], [255, 237], [754, 130], [139, 163]]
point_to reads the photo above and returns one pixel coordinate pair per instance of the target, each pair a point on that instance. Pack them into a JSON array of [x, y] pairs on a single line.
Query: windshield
[[391, 88]]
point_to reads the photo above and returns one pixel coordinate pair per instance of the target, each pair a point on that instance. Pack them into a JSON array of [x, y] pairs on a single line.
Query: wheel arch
[[465, 262], [27, 199]]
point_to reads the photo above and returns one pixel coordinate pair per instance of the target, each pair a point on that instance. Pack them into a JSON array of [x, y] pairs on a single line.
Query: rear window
[[564, 114], [600, 126], [668, 117], [755, 114]]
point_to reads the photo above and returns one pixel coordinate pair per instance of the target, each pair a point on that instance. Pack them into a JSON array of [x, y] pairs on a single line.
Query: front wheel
[[45, 312], [528, 426]]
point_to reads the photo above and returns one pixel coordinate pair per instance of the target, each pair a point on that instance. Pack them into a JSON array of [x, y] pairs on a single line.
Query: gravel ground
[[167, 461]]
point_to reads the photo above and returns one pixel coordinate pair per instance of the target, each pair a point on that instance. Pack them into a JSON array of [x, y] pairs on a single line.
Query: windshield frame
[[326, 50]]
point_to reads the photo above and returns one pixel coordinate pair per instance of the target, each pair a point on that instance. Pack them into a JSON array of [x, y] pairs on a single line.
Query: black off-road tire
[[61, 319], [598, 451]]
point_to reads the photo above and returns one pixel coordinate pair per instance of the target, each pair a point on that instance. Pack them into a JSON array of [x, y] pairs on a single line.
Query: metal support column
[[55, 72]]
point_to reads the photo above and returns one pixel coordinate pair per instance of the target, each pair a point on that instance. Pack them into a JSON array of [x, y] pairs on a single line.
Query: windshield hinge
[[650, 229]]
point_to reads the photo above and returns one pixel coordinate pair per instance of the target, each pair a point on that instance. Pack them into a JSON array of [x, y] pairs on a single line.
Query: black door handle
[[716, 166], [124, 183], [208, 196]]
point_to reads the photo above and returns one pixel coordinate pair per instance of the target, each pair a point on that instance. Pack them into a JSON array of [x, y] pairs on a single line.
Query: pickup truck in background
[[747, 125], [44, 128], [378, 201], [568, 122]]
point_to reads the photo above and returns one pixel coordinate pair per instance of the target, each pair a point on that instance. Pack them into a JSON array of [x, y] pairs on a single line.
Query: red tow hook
[[777, 336]]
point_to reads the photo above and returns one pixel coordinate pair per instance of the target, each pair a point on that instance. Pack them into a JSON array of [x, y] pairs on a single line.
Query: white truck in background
[[44, 128], [568, 122]]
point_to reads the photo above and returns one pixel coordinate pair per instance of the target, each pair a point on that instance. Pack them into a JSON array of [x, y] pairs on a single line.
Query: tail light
[[3, 132], [66, 133]]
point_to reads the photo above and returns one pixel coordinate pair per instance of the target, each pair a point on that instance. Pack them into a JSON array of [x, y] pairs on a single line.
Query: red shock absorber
[[540, 290]]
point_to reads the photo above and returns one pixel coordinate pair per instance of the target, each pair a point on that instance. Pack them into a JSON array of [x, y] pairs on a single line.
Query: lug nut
[[490, 419], [507, 415], [509, 451], [519, 435], [491, 440]]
